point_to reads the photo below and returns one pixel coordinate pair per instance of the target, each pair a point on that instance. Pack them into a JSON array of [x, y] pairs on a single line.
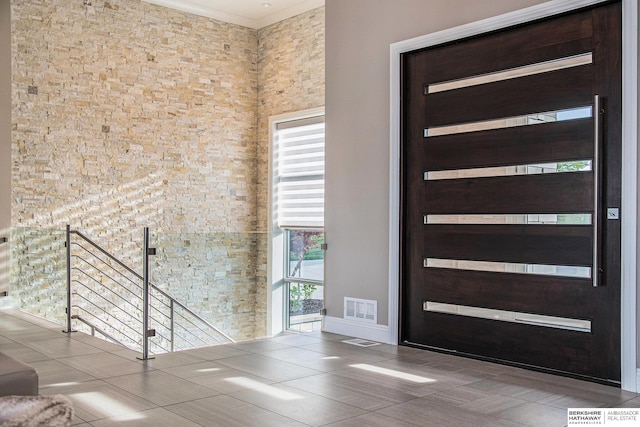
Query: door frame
[[630, 374]]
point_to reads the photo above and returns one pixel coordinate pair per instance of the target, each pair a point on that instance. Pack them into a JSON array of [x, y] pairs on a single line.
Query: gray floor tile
[[166, 360], [535, 415], [161, 388], [631, 403], [296, 339], [62, 347], [553, 391], [352, 392], [426, 412], [311, 379], [216, 377], [340, 349], [104, 365], [216, 352], [229, 412], [95, 400], [22, 352], [327, 336], [371, 420], [310, 359], [77, 421], [412, 381], [38, 334], [297, 404], [266, 367], [441, 372], [157, 417], [473, 400], [53, 372], [96, 342], [509, 385], [260, 346], [451, 362]]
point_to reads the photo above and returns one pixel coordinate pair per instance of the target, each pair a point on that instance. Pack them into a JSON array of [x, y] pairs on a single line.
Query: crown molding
[[244, 21]]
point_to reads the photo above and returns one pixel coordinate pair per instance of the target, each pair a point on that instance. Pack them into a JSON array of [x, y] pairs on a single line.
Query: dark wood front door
[[511, 179]]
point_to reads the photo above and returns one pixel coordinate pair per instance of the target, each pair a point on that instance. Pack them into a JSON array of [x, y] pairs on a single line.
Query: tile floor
[[293, 380]]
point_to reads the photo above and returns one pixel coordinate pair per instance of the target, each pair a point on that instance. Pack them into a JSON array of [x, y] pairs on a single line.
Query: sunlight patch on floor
[[393, 373], [264, 389], [107, 406]]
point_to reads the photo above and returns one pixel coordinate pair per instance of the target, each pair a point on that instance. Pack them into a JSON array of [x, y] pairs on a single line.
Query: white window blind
[[300, 173]]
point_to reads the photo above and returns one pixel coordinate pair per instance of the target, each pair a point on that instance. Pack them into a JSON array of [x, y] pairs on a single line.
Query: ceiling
[[249, 13]]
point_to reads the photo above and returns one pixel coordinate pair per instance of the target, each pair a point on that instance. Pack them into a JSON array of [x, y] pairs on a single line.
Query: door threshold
[[611, 383]]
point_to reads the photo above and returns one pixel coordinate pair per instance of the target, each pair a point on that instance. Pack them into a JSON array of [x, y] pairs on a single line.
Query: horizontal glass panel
[[512, 73], [560, 219], [509, 316], [509, 122], [533, 169], [510, 267]]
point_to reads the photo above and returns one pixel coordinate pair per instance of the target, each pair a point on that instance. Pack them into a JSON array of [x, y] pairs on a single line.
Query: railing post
[[68, 248], [171, 320], [145, 295]]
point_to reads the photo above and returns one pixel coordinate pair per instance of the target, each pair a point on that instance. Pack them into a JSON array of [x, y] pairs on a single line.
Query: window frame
[[278, 278]]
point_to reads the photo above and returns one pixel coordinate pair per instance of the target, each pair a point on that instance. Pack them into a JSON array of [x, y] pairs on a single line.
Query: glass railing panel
[[220, 276], [37, 271], [107, 288]]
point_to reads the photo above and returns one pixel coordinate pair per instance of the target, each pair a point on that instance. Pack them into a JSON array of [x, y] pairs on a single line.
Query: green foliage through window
[[578, 165]]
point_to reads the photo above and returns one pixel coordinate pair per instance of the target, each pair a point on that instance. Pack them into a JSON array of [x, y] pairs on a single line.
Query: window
[[298, 219], [304, 279], [299, 149]]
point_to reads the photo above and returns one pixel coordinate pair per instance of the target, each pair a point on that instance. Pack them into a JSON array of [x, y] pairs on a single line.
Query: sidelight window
[[298, 216]]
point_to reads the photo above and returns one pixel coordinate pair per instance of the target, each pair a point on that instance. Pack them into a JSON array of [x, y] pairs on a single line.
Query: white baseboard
[[367, 331]]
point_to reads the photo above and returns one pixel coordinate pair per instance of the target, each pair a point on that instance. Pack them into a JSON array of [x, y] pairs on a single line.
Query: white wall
[[5, 138], [358, 36]]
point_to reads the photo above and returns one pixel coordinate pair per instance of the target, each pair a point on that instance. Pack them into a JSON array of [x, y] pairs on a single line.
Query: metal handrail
[[98, 329], [156, 288], [136, 296], [111, 278], [130, 338], [103, 261], [107, 313], [97, 282], [137, 308], [116, 294], [110, 302], [199, 333]]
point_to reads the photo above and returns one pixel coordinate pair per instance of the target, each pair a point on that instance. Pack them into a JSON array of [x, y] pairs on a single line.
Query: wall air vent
[[361, 310]]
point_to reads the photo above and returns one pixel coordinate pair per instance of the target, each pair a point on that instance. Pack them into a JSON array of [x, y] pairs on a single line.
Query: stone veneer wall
[[129, 115], [290, 78]]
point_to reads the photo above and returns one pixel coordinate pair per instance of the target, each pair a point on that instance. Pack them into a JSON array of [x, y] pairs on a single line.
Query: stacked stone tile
[[129, 115]]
